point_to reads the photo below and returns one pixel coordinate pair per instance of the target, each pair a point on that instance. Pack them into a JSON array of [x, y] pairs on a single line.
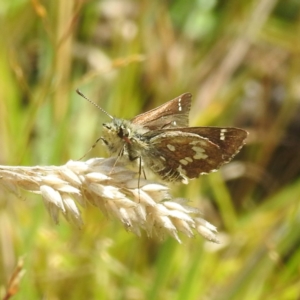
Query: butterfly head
[[115, 134]]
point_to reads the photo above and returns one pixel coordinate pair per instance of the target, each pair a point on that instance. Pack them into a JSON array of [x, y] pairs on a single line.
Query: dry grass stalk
[[114, 189]]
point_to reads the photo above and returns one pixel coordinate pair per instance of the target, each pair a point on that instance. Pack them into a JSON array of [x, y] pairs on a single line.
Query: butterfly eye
[[123, 132]]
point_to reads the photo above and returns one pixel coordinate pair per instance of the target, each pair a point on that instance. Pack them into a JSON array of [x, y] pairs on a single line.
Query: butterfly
[[163, 142]]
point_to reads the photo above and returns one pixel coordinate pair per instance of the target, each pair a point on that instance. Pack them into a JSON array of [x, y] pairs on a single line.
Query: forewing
[[183, 155], [229, 139], [174, 113]]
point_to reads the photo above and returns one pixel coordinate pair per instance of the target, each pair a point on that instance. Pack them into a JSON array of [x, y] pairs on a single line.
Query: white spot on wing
[[222, 134], [171, 147], [189, 159], [200, 153], [201, 142], [184, 162], [179, 104]]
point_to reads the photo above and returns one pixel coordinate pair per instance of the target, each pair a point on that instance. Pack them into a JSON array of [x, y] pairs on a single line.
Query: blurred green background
[[241, 62]]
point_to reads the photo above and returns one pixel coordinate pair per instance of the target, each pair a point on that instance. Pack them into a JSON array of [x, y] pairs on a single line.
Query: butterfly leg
[[140, 171], [118, 157], [93, 146]]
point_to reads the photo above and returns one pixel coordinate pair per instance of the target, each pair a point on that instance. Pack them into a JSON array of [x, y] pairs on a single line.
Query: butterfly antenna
[[83, 96]]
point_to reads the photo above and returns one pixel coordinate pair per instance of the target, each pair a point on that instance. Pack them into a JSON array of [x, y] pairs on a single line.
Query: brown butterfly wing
[[174, 113], [177, 154], [229, 139]]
